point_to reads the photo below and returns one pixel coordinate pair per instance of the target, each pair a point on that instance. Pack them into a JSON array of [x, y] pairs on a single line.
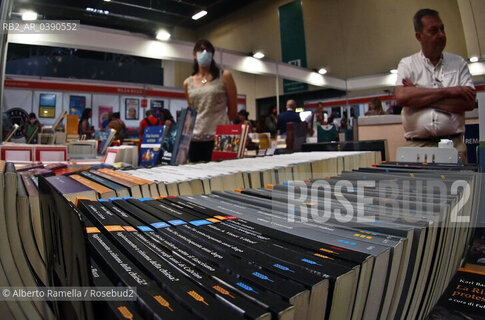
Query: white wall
[[18, 99]]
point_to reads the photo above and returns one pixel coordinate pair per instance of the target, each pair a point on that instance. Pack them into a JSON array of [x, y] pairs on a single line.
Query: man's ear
[[418, 36]]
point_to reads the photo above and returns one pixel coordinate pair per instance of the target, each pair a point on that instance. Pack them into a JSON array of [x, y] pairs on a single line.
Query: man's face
[[433, 36]]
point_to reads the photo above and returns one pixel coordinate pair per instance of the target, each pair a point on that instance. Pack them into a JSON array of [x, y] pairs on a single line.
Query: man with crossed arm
[[434, 87]]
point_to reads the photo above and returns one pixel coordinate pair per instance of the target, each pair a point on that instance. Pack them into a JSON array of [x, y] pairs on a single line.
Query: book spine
[[193, 296]]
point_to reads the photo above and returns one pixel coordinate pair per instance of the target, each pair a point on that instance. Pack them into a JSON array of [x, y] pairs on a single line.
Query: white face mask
[[204, 58]]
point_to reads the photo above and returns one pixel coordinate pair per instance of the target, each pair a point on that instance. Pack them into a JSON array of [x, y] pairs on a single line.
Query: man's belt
[[435, 139]]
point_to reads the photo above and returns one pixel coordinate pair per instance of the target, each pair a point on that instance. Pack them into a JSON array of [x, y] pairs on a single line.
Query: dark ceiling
[[141, 16]]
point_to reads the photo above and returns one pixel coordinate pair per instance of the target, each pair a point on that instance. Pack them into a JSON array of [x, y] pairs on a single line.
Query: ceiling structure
[[140, 16]]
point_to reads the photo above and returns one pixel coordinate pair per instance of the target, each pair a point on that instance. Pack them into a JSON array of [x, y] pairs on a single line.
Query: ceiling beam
[[109, 40]]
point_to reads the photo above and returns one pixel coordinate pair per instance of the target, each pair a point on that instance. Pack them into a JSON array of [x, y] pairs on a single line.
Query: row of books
[[315, 249], [102, 182], [23, 262], [203, 178], [34, 247], [395, 266], [400, 254]]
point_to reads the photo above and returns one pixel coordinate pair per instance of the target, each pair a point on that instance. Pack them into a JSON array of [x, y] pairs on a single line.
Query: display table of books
[[319, 235]]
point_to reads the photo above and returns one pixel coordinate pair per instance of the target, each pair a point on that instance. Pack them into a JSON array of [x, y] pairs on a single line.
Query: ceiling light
[[474, 59], [99, 11], [199, 15], [258, 55], [29, 16], [322, 71], [163, 35], [107, 0], [393, 71]]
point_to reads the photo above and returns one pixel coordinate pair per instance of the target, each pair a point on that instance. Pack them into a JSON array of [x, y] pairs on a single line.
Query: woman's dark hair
[[243, 112], [32, 115], [85, 114], [214, 70], [166, 115]]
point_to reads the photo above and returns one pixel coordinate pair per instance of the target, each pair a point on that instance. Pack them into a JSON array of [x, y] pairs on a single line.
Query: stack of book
[[85, 149], [203, 178], [125, 153], [408, 232], [371, 243], [323, 236]]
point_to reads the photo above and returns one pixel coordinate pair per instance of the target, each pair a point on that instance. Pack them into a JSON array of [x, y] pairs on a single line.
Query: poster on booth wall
[[47, 105], [103, 115], [77, 105], [132, 109]]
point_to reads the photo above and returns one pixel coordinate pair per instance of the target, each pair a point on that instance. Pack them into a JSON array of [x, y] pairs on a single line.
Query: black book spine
[[169, 278], [111, 309], [207, 258], [151, 299]]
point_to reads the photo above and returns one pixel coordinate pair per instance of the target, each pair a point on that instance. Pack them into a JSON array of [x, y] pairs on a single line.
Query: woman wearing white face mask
[[213, 94]]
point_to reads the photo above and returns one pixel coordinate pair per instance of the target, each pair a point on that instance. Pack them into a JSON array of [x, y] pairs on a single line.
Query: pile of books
[[204, 178], [307, 236], [403, 240]]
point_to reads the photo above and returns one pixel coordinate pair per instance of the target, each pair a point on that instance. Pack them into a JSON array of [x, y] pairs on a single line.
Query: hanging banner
[[293, 48]]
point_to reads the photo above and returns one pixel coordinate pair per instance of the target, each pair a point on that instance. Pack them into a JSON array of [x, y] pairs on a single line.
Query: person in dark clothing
[[288, 116], [149, 121], [84, 125], [31, 127]]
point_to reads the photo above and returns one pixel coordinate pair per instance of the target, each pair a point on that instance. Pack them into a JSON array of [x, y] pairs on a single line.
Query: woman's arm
[[231, 92], [186, 89]]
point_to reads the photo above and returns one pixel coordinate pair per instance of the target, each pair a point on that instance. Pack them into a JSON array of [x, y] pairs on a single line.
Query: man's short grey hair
[[418, 23]]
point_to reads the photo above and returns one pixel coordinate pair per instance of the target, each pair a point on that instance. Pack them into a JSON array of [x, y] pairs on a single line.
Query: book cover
[[228, 141], [168, 143], [133, 187], [120, 190], [70, 188], [103, 192], [70, 170], [464, 299], [67, 262], [151, 146], [106, 138], [185, 127], [147, 187]]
